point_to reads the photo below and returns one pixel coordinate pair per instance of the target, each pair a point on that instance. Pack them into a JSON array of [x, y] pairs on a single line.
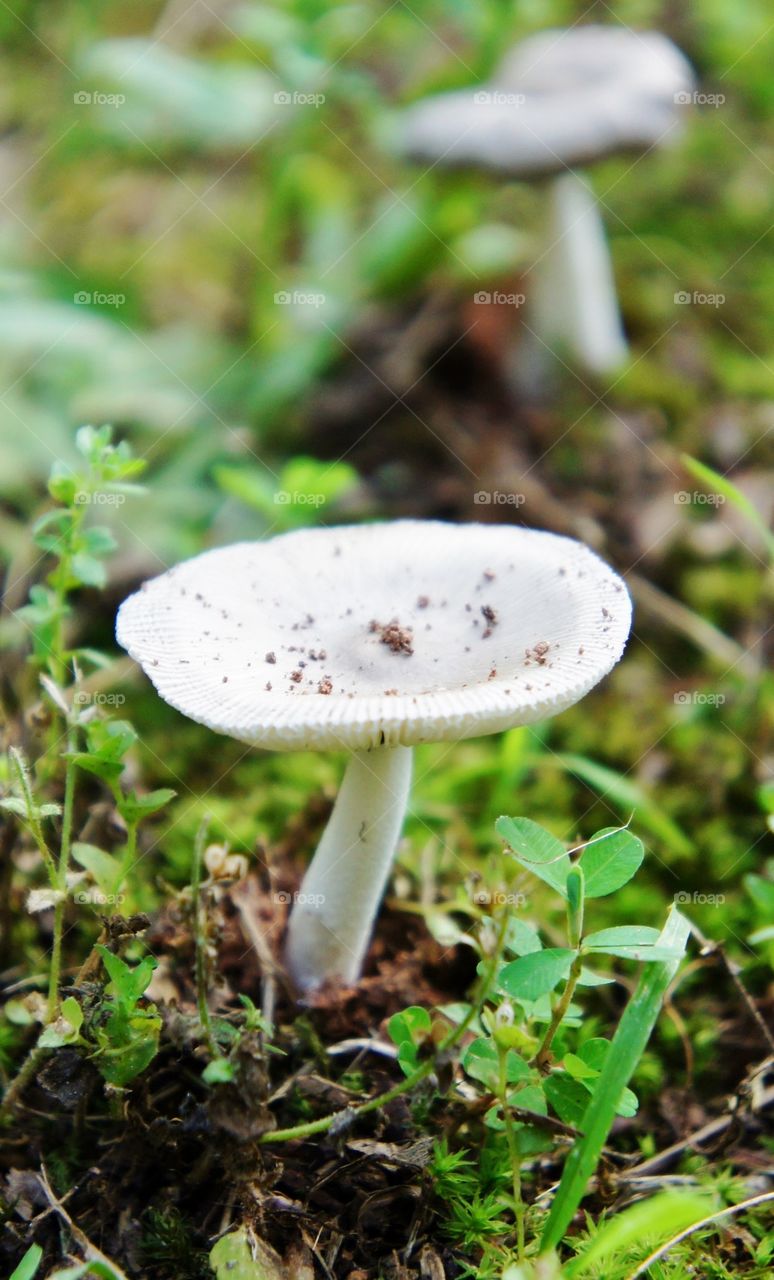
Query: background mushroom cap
[[395, 633], [560, 98]]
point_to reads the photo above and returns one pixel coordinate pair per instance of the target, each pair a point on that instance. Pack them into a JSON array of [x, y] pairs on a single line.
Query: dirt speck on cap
[[538, 653], [490, 617], [423, 602], [398, 639], [325, 685], [296, 677], [271, 657]]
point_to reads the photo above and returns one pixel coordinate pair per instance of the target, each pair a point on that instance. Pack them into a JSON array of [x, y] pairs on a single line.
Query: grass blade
[[721, 484], [628, 796], [649, 1222], [626, 1049]]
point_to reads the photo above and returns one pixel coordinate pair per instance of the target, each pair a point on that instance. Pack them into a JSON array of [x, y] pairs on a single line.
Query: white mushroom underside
[[506, 626]]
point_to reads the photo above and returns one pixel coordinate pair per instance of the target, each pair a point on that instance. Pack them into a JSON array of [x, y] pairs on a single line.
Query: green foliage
[[304, 490], [645, 1224], [409, 1030], [127, 1032], [531, 1056], [240, 1255], [78, 550], [626, 1049], [29, 1264], [713, 480], [169, 1241], [215, 381]]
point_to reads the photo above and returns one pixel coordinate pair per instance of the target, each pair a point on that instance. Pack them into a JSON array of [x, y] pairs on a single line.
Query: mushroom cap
[[563, 97], [379, 634]]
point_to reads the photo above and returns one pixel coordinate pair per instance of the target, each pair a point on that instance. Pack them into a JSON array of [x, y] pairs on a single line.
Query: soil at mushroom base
[[375, 638]]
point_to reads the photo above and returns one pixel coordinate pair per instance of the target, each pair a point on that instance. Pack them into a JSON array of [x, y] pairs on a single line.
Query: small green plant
[[127, 1031], [120, 1032], [123, 1033], [78, 549], [530, 1058]]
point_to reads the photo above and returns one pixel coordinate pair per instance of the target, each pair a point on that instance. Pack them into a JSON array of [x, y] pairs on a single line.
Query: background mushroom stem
[[331, 922], [574, 300]]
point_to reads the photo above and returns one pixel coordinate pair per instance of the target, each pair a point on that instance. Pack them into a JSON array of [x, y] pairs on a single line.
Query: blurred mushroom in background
[[560, 100]]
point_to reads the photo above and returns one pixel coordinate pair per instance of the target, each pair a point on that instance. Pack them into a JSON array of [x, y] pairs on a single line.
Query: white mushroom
[[373, 638], [559, 101]]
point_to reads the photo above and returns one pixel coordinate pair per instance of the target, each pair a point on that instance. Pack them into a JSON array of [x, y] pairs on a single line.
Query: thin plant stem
[[199, 938], [61, 879], [22, 772], [60, 581], [519, 1208], [541, 1057], [130, 855], [421, 1073], [35, 1057]]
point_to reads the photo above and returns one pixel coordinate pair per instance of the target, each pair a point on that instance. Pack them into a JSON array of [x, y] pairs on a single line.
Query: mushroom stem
[[575, 300], [330, 925]]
